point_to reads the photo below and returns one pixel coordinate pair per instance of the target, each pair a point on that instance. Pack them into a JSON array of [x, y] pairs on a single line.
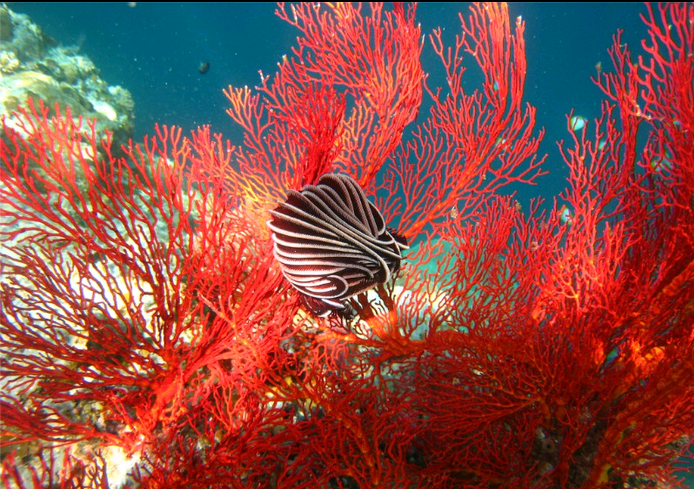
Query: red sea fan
[[571, 361], [111, 302], [145, 322]]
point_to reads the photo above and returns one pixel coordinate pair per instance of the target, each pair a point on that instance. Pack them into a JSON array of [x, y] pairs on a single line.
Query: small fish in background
[[453, 214], [204, 67], [577, 122], [565, 216]]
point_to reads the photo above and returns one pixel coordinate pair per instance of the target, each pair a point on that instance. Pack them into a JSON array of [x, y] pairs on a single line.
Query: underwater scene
[[346, 246]]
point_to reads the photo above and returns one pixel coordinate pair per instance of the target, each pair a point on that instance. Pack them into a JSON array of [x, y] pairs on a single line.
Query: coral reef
[[146, 326], [34, 65]]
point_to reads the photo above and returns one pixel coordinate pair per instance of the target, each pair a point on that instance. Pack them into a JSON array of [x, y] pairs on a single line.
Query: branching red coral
[[471, 144], [143, 313], [298, 126]]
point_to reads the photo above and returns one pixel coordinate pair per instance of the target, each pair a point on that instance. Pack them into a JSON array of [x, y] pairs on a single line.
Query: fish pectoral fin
[[321, 307]]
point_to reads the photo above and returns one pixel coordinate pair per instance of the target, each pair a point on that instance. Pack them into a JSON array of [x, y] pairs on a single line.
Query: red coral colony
[[150, 339]]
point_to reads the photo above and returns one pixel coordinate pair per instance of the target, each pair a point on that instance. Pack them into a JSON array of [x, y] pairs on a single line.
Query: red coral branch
[[142, 307], [298, 126], [68, 474], [107, 283], [80, 312], [470, 145]]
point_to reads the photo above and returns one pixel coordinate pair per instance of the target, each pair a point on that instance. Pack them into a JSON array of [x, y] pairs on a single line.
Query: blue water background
[[155, 50]]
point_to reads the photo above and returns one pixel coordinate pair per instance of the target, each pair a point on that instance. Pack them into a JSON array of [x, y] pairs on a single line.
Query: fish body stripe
[[332, 243]]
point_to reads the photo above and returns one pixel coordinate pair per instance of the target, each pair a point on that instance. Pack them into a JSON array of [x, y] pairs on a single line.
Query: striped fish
[[332, 243]]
